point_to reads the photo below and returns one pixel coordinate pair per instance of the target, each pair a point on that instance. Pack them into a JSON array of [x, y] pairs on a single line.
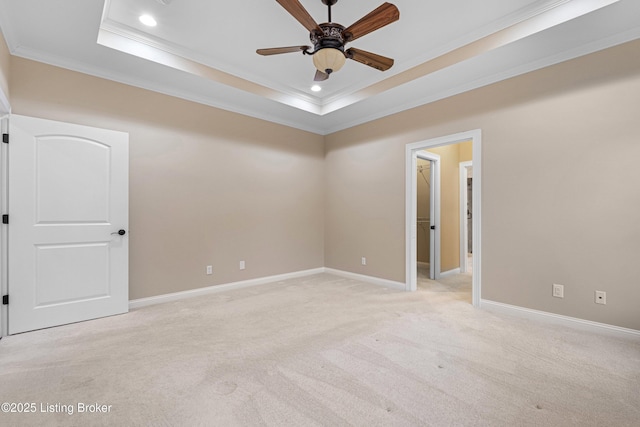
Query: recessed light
[[316, 88], [148, 20]]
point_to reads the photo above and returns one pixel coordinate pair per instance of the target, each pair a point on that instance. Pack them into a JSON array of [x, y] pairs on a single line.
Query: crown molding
[[550, 60], [328, 115], [258, 113]]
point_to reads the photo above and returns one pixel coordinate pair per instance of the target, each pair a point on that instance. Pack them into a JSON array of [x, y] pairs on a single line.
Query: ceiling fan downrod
[[329, 3]]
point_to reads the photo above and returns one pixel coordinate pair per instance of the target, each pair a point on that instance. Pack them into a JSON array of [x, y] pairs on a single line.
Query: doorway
[[411, 156]]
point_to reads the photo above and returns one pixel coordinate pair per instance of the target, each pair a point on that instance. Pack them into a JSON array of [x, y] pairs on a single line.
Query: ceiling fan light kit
[[329, 39], [329, 60]]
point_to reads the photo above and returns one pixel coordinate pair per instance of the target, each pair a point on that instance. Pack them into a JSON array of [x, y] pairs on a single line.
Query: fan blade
[[320, 76], [383, 15], [378, 62], [300, 13], [279, 50]]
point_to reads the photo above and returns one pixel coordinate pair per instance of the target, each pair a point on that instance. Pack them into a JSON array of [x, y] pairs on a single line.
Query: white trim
[[554, 12], [5, 105], [176, 296], [112, 36], [517, 18], [450, 273], [245, 109], [5, 111], [476, 221], [368, 279], [143, 40], [4, 239], [543, 316], [464, 229], [411, 151]]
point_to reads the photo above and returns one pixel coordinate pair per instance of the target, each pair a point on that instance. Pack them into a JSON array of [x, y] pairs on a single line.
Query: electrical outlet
[[558, 291], [242, 265], [209, 269], [601, 297], [364, 261]]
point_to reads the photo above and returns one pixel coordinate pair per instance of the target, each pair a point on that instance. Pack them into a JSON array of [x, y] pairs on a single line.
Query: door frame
[[464, 228], [411, 152], [5, 111], [4, 255], [434, 213]]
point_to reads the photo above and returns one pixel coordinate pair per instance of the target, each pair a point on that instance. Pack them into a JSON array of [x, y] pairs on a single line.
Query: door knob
[[120, 232]]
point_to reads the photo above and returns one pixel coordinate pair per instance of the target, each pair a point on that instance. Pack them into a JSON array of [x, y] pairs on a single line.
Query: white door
[[434, 213], [68, 199]]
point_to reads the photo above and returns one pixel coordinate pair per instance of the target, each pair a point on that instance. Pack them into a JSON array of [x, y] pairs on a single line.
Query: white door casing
[[464, 229], [4, 123], [411, 153], [68, 198]]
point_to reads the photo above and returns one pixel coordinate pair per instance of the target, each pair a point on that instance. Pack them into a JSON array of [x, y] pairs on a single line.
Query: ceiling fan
[[329, 38]]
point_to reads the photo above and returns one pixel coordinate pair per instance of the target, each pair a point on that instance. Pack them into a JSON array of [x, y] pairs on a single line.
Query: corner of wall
[[5, 72]]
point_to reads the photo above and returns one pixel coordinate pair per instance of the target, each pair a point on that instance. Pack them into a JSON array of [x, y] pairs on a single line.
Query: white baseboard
[[450, 272], [527, 313], [368, 279], [176, 296]]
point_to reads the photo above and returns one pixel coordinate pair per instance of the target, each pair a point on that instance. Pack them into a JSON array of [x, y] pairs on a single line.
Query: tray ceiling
[[204, 50]]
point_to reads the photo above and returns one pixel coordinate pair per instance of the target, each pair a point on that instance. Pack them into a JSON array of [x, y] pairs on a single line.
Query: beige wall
[[543, 135], [465, 153], [449, 206], [206, 186], [213, 187], [5, 65]]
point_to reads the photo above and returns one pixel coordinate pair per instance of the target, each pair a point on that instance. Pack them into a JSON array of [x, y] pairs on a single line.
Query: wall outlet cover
[[557, 291]]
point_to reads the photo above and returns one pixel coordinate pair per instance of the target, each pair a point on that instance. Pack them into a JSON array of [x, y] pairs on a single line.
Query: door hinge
[[5, 219], [5, 138], [5, 299]]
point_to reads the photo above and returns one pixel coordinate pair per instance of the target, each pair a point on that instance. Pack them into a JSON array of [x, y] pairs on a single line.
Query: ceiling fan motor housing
[[331, 37]]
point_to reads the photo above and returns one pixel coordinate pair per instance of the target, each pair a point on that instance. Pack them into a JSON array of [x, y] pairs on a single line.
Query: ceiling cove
[[205, 51]]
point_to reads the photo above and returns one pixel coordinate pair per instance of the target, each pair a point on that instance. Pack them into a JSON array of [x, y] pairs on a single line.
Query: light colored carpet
[[323, 350]]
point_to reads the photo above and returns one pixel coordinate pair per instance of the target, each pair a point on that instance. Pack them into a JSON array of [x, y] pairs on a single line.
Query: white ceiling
[[204, 50]]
